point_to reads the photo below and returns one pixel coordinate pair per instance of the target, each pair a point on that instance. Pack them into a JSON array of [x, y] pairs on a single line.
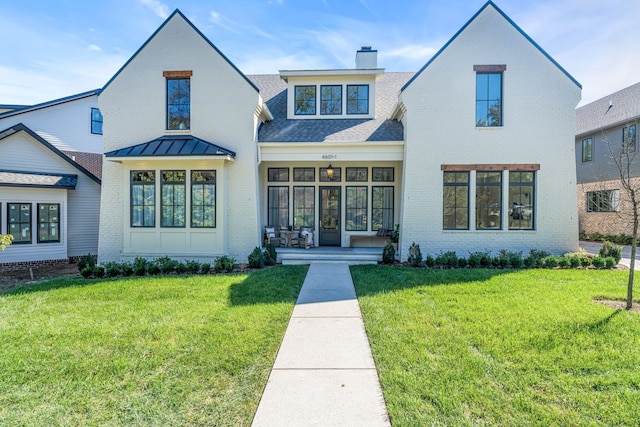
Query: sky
[[52, 49]]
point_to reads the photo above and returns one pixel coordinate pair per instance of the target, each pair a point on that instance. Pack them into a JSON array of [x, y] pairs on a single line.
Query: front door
[[329, 216]]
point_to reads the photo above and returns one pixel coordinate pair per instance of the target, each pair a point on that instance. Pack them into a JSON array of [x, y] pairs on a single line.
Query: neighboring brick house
[[200, 157], [604, 127]]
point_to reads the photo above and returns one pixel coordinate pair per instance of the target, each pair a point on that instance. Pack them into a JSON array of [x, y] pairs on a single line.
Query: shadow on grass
[[602, 322], [52, 284], [270, 286]]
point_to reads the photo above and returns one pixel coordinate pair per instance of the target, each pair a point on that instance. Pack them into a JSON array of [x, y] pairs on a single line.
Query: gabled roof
[[381, 128], [617, 108], [37, 179], [174, 145], [90, 161], [177, 12], [490, 3], [22, 128], [29, 108]]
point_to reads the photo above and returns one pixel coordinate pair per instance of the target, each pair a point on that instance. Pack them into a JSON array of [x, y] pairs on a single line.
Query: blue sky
[[51, 49]]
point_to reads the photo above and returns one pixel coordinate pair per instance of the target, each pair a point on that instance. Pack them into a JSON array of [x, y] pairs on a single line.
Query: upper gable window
[[96, 121], [330, 99], [357, 99], [587, 150], [629, 138], [489, 95], [178, 100], [305, 99]]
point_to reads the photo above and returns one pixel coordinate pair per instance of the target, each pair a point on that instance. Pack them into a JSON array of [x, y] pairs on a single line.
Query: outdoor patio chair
[[272, 236], [306, 238]]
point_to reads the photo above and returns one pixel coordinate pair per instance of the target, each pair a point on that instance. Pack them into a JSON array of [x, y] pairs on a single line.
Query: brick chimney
[[366, 58]]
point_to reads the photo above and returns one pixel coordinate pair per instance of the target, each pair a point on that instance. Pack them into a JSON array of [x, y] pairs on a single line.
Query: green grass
[[191, 350], [499, 347]]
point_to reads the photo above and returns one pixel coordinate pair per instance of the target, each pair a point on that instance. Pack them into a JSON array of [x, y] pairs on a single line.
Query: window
[[356, 210], [488, 200], [381, 208], [358, 174], [603, 201], [304, 206], [278, 209], [48, 222], [382, 174], [278, 174], [336, 177], [522, 208], [587, 150], [331, 100], [203, 199], [19, 222], [304, 174], [172, 204], [96, 121], [456, 201], [357, 99], [179, 104], [143, 198], [629, 138], [489, 96], [305, 100]]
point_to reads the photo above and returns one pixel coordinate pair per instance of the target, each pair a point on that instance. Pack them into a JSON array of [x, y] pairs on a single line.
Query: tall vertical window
[[48, 222], [587, 150], [278, 206], [603, 201], [629, 138], [179, 104], [330, 99], [381, 208], [356, 210], [19, 222], [455, 214], [143, 198], [305, 99], [489, 95], [203, 199], [357, 99], [96, 121], [521, 203], [304, 207], [488, 200], [172, 204]]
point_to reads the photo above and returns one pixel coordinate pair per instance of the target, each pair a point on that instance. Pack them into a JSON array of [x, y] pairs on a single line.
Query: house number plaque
[[329, 156]]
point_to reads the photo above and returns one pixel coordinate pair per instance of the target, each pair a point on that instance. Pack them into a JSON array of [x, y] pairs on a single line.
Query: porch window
[[278, 174], [304, 174], [173, 188], [488, 200], [143, 198], [358, 174], [521, 205], [456, 201], [278, 206], [19, 222], [48, 222], [356, 210], [304, 207], [381, 208], [382, 174], [203, 199], [337, 175]]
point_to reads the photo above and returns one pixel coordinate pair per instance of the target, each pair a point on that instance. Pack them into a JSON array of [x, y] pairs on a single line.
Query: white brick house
[[200, 158]]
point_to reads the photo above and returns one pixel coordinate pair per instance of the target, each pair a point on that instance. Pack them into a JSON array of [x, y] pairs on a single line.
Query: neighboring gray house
[[609, 123], [50, 179]]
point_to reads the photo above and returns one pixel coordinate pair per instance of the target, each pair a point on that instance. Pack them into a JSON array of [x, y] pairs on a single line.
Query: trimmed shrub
[[98, 271], [139, 266], [180, 267], [415, 255], [534, 260], [447, 259], [585, 261], [563, 262], [165, 264], [224, 263], [112, 269], [502, 260], [86, 272], [256, 258], [430, 261], [474, 259], [550, 261], [599, 262], [608, 249], [389, 253], [126, 269], [153, 268], [462, 262], [610, 262], [516, 260], [85, 261], [205, 268], [193, 266], [574, 262], [270, 255]]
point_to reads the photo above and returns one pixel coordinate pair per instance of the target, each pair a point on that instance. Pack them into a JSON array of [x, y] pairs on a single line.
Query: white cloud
[[411, 52], [94, 48], [159, 8]]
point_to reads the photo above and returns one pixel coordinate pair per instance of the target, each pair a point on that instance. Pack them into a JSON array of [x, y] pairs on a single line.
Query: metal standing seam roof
[[165, 146], [614, 109], [37, 179]]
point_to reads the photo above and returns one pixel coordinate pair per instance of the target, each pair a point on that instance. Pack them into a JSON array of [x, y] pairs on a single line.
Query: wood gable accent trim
[[524, 167], [177, 74], [489, 68]]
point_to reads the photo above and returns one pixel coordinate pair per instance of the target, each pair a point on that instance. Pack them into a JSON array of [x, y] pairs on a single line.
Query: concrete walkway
[[324, 374]]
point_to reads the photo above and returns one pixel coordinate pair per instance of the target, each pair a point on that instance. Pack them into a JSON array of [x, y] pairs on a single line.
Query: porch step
[[349, 256]]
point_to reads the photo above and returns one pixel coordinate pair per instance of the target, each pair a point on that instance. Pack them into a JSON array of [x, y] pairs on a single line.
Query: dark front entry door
[[329, 216]]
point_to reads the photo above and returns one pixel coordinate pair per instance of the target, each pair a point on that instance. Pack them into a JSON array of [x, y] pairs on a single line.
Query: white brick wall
[[539, 117]]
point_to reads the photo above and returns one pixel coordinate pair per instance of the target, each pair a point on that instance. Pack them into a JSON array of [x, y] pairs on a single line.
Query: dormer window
[[331, 99], [357, 99], [305, 99], [178, 99]]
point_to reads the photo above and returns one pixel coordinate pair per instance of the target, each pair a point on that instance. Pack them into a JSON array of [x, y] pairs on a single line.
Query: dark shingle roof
[[174, 145], [625, 106], [37, 179], [274, 92], [28, 108]]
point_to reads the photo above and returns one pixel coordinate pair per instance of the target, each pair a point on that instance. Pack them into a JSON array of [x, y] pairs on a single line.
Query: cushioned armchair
[[272, 236], [307, 238]]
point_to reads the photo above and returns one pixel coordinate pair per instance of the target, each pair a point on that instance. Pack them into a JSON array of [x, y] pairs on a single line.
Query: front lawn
[[190, 350], [501, 347]]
